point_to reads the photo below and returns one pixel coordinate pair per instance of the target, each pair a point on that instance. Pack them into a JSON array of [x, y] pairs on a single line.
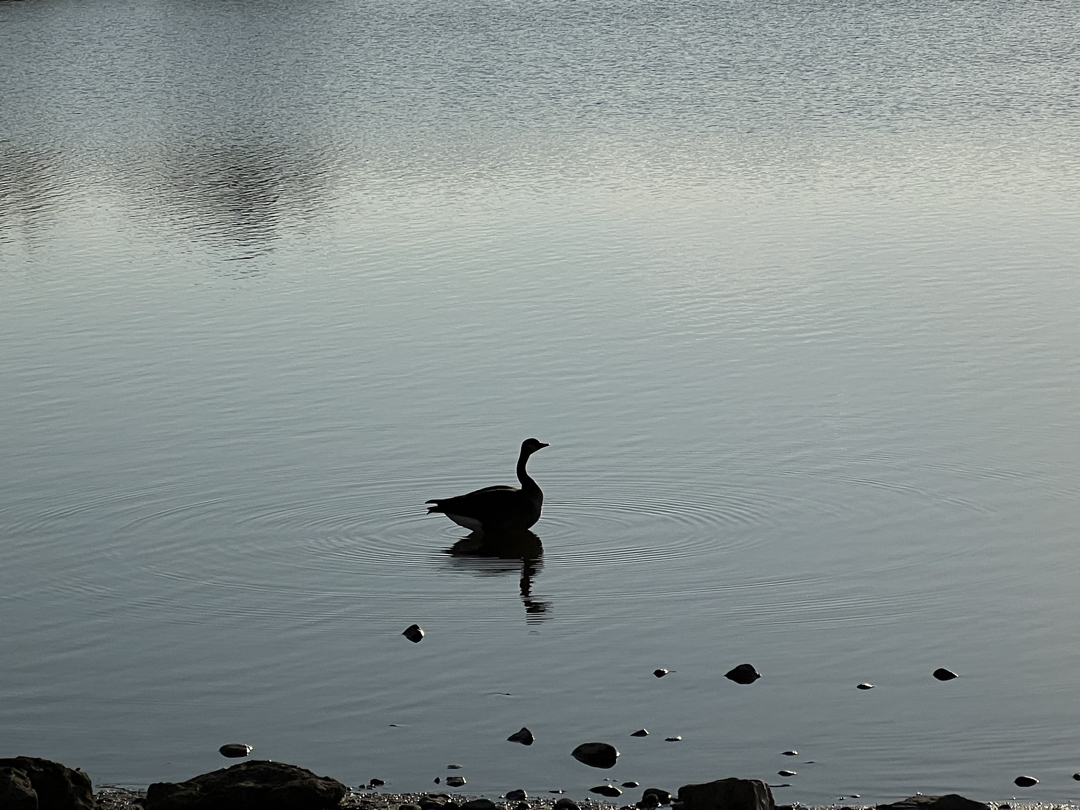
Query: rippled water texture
[[790, 288]]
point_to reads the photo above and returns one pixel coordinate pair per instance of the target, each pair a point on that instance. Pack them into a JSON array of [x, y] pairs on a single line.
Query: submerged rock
[[791, 753], [660, 673], [1025, 781], [727, 794], [865, 686], [641, 732], [786, 773], [235, 750], [525, 737], [950, 801], [943, 674], [630, 784], [743, 673], [596, 754], [676, 738], [52, 786], [455, 781], [255, 785], [414, 633], [606, 790]]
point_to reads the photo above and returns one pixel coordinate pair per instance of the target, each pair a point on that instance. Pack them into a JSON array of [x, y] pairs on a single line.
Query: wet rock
[[606, 790], [455, 781], [660, 673], [786, 773], [648, 802], [950, 801], [414, 633], [54, 786], [479, 804], [409, 807], [438, 781], [791, 753], [255, 785], [1025, 781], [16, 791], [641, 732], [1076, 776], [235, 750], [566, 804], [525, 737], [943, 674], [727, 794], [453, 767], [516, 796], [865, 686], [376, 782], [557, 790], [676, 738], [435, 801], [631, 784], [743, 673], [596, 754], [661, 795]]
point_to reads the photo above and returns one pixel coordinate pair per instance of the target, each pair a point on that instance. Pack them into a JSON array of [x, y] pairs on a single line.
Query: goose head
[[530, 446]]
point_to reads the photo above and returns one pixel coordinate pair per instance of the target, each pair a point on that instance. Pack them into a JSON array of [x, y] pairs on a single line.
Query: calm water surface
[[791, 288]]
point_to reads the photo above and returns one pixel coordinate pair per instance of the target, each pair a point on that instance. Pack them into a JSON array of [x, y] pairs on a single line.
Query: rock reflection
[[494, 555]]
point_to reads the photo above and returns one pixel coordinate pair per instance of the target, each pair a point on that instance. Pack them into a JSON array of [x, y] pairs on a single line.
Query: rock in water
[[254, 785], [455, 781], [676, 738], [1025, 781], [865, 686], [566, 804], [516, 796], [661, 796], [606, 790], [596, 754], [791, 753], [743, 673], [525, 737], [235, 750], [641, 732], [786, 773], [630, 784], [51, 785], [413, 633], [944, 674], [660, 673], [950, 801], [727, 794], [1076, 776]]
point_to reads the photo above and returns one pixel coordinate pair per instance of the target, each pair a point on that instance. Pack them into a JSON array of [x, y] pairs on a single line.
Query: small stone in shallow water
[[661, 795], [676, 738], [376, 782], [1076, 776], [1025, 781], [660, 673], [641, 732], [438, 781], [786, 773], [453, 767], [455, 781], [235, 750], [865, 686], [791, 753], [413, 633], [516, 796], [525, 737], [630, 784], [606, 790], [596, 754], [944, 674], [743, 673], [648, 801]]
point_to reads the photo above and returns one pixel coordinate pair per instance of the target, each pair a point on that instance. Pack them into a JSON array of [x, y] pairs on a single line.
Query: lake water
[[790, 287]]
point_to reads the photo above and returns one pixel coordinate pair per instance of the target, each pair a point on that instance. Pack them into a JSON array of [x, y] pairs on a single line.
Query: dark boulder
[[950, 801], [743, 673], [255, 785], [727, 794], [56, 786], [596, 754], [16, 792], [943, 674]]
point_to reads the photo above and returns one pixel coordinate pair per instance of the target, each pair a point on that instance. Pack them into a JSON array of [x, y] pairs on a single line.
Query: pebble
[[606, 790], [631, 784], [743, 673], [791, 753], [865, 686], [660, 673], [566, 804], [676, 738], [596, 754], [944, 674], [641, 732], [413, 633], [1025, 781], [234, 750], [516, 796], [525, 737], [455, 781], [786, 773], [661, 795]]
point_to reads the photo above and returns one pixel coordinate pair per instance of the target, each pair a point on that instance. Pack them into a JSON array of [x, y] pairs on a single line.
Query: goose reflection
[[498, 554]]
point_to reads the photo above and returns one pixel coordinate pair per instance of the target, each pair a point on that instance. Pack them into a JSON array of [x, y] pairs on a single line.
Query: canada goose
[[498, 509]]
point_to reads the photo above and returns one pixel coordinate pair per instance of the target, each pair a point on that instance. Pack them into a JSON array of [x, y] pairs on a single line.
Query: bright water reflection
[[790, 289]]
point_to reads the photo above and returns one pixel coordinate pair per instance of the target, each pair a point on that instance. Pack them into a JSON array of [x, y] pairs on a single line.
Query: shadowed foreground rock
[[52, 786], [950, 801], [727, 794], [256, 785]]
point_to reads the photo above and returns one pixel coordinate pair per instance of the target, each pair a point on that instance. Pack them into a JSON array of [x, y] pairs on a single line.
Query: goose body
[[501, 508]]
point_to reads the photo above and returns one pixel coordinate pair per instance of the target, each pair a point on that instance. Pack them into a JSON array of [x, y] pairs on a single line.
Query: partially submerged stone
[[606, 790], [791, 753], [727, 794], [596, 754], [660, 673], [413, 633], [949, 801], [524, 736], [1025, 781], [865, 686], [662, 796], [455, 781], [743, 673], [516, 796], [943, 674], [255, 785], [674, 738], [786, 773], [51, 785], [641, 732], [235, 750], [566, 804]]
